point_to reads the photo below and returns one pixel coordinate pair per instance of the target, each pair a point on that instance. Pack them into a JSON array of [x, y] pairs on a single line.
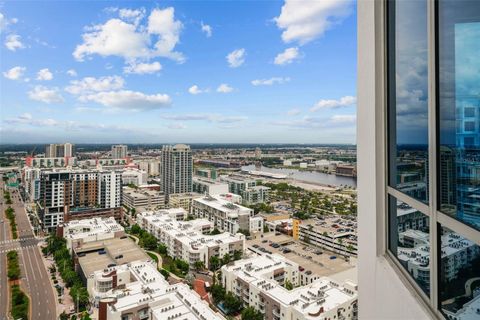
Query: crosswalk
[[16, 240], [6, 250]]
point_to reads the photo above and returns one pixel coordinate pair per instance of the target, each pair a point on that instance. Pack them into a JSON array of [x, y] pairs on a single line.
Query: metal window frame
[[436, 218]]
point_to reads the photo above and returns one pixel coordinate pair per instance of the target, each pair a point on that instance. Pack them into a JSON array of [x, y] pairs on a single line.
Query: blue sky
[[186, 71]]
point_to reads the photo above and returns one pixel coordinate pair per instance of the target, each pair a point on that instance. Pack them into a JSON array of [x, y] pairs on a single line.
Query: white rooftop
[[78, 229]]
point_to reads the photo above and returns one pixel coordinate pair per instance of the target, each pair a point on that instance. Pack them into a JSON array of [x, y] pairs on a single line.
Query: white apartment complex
[[225, 215], [187, 240], [78, 232], [259, 282], [209, 186], [255, 195], [134, 176], [138, 291], [183, 200]]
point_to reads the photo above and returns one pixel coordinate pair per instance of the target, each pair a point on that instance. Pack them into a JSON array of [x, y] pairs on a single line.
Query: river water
[[309, 176]]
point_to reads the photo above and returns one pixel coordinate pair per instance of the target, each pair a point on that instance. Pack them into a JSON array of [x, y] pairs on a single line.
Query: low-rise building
[[189, 240], [134, 176], [143, 199], [260, 283], [139, 291], [225, 215], [334, 233], [183, 200], [59, 162], [209, 186], [346, 170], [78, 232]]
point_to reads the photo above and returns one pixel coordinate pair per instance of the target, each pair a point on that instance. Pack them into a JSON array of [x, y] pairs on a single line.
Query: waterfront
[[309, 176]]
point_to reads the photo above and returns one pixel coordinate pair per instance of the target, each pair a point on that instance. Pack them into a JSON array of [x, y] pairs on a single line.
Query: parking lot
[[319, 261]]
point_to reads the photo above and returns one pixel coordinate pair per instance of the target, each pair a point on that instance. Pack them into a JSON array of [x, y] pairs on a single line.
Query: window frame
[[437, 219]]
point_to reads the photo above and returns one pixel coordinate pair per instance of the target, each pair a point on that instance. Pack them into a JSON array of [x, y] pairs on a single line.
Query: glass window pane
[[408, 97], [409, 241], [459, 277], [459, 109]]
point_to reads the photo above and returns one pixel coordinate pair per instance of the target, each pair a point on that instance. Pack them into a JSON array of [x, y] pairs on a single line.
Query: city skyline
[[187, 74]]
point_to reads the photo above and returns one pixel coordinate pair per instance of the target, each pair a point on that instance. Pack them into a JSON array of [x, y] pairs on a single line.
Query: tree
[[218, 293], [215, 231], [237, 255], [232, 303], [226, 259], [199, 265], [135, 229], [214, 263], [63, 316], [249, 313], [148, 241], [288, 285], [183, 266], [162, 249]]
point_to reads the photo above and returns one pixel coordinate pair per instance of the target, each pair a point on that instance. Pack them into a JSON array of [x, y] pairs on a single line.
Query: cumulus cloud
[[236, 58], [143, 68], [304, 21], [132, 15], [124, 38], [269, 82], [15, 73], [91, 84], [128, 100], [287, 56], [72, 73], [334, 104], [44, 74], [207, 29], [196, 90], [46, 95], [14, 42], [224, 88]]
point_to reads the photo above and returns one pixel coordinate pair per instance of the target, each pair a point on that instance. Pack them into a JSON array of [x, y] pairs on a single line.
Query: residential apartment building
[[139, 291], [119, 151], [59, 150], [237, 184], [225, 215], [187, 240], [418, 140], [151, 166], [209, 173], [143, 199], [176, 169], [78, 232], [183, 200], [50, 162], [259, 283], [208, 186], [134, 176], [255, 195], [67, 191]]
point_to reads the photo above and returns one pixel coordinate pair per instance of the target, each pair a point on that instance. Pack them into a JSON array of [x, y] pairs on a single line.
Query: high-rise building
[[59, 150], [119, 151], [176, 169], [65, 191], [418, 135]]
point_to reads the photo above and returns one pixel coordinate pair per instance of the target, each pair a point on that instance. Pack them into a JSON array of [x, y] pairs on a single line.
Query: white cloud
[[304, 21], [207, 29], [91, 84], [269, 82], [143, 68], [27, 119], [44, 94], [44, 74], [72, 73], [236, 58], [333, 104], [129, 100], [5, 22], [15, 73], [132, 15], [13, 42], [287, 56], [217, 118], [195, 90], [117, 37], [224, 88], [294, 112], [343, 118]]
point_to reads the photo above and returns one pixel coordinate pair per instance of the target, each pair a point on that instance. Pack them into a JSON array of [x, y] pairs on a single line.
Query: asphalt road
[[4, 236], [35, 278]]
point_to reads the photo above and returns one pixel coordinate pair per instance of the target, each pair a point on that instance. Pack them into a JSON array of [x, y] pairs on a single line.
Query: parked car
[[333, 257]]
